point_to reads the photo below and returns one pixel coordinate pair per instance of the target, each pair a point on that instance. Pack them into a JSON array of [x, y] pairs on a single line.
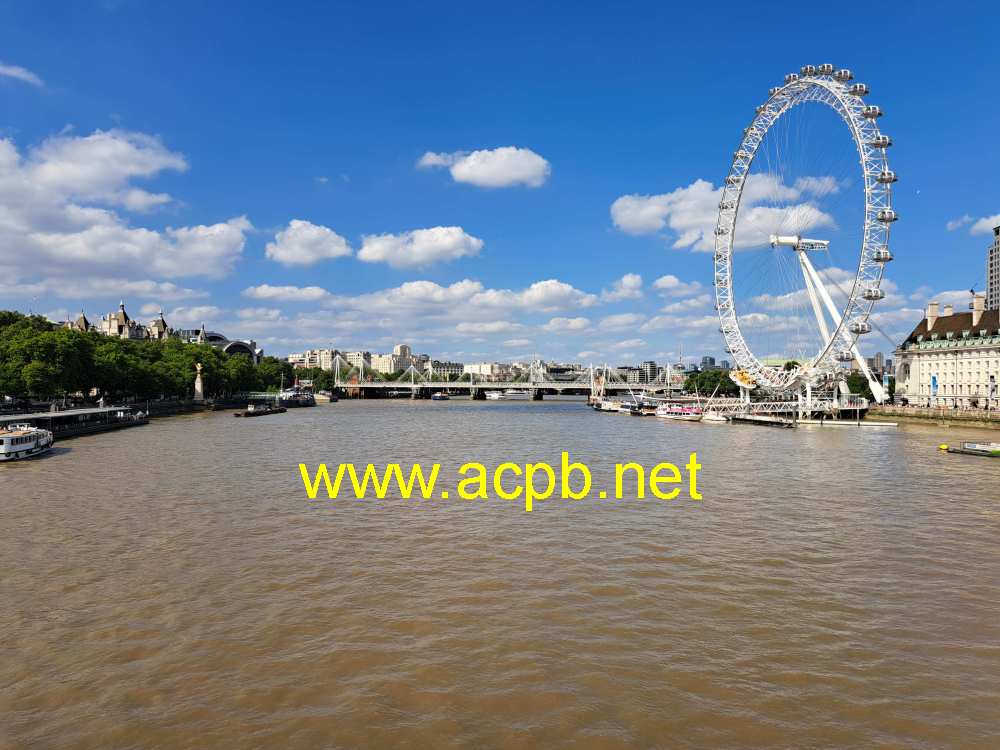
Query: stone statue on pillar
[[199, 386]]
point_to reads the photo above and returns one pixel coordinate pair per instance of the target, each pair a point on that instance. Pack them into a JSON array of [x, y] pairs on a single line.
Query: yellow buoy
[[943, 447]]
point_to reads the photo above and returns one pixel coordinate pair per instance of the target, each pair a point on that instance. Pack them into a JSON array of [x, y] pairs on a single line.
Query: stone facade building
[[951, 359], [121, 325]]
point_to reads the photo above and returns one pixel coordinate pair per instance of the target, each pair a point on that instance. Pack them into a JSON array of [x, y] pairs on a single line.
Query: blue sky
[[154, 151]]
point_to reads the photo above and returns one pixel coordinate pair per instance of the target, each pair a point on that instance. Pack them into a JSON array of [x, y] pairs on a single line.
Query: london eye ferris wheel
[[802, 235]]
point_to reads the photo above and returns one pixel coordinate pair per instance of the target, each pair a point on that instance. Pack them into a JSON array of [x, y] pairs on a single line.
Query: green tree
[[271, 370], [705, 383], [858, 383], [241, 375]]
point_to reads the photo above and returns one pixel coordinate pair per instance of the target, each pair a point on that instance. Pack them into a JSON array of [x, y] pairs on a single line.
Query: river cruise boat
[[607, 404], [679, 413], [511, 394], [19, 441], [295, 396], [440, 396]]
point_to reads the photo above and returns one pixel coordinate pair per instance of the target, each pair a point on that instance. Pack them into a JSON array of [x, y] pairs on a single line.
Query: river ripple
[[171, 587]]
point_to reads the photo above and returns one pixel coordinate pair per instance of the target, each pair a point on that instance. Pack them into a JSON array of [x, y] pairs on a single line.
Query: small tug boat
[[679, 413], [440, 396], [260, 410], [990, 450], [19, 441]]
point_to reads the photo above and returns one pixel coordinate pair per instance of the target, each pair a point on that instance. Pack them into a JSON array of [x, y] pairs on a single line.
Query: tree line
[[41, 359]]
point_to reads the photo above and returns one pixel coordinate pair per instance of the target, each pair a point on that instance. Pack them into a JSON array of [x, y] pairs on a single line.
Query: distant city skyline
[[513, 209]]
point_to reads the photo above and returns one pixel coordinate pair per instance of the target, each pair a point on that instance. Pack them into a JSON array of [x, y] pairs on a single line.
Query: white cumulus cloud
[[628, 286], [56, 214], [303, 243], [671, 286], [621, 321], [958, 223], [193, 316], [562, 325], [985, 225], [20, 74], [493, 326], [420, 247], [499, 167], [691, 212], [286, 293], [542, 296]]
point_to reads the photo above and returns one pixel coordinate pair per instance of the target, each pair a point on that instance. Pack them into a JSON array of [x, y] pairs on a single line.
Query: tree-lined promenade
[[41, 359]]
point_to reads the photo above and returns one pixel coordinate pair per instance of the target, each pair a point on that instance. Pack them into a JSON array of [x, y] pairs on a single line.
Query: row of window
[[17, 440]]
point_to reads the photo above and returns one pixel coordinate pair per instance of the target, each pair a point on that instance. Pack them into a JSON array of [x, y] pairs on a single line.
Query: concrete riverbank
[[940, 415]]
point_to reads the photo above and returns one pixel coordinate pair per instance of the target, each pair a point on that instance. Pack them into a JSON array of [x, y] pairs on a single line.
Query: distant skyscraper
[[993, 272], [649, 369], [879, 361], [724, 365], [707, 363]]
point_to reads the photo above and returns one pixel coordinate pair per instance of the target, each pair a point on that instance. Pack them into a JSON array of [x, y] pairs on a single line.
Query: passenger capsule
[[845, 357], [887, 216], [880, 141], [791, 77], [741, 154], [727, 205], [826, 69], [760, 108], [871, 111], [858, 89], [843, 75], [719, 231], [873, 293], [882, 255], [808, 70], [773, 91], [860, 327], [887, 176], [734, 179]]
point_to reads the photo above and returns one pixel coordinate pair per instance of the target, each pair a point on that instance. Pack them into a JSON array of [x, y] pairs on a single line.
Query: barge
[[75, 422]]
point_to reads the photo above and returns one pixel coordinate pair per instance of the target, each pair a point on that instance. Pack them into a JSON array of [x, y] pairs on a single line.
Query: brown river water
[[170, 586]]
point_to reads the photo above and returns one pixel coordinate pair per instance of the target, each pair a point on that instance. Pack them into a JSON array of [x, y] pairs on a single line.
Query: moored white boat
[[713, 417], [679, 413], [511, 394], [19, 441]]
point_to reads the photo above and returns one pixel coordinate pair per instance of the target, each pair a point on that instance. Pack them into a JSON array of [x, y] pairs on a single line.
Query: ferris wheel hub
[[798, 243]]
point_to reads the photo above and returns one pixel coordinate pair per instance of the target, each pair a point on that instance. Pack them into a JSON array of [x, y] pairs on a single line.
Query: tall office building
[[993, 272]]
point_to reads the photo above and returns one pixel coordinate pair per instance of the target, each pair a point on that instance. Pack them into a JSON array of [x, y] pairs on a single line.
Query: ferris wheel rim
[[820, 84]]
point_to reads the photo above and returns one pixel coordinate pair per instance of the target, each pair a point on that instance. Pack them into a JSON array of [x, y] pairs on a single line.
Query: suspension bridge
[[360, 381]]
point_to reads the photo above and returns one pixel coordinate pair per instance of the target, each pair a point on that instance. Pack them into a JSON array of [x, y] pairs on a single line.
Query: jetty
[[76, 422]]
